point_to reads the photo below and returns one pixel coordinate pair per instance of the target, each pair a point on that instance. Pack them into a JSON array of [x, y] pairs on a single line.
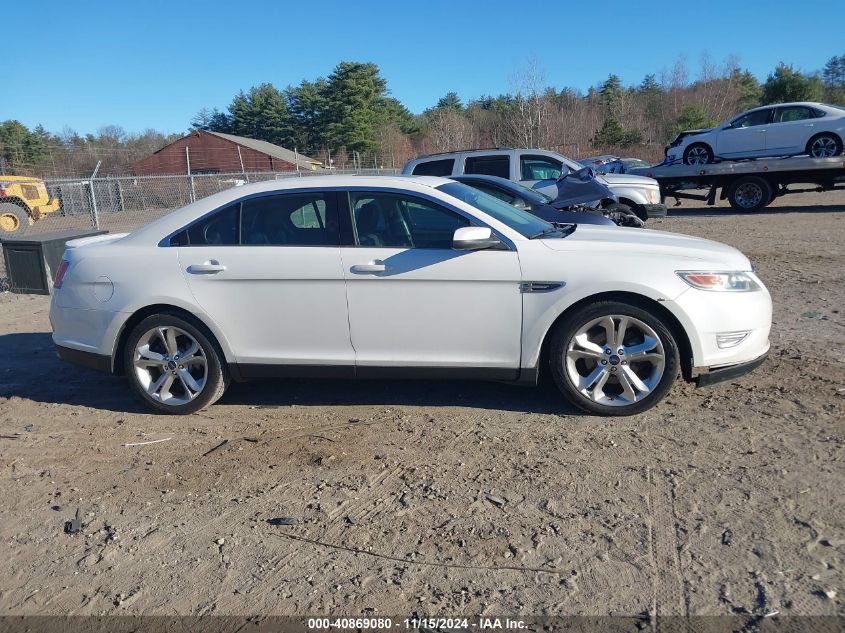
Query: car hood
[[702, 130], [691, 252], [628, 179]]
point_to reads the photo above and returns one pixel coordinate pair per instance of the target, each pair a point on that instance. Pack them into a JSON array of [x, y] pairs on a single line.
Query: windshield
[[523, 223]]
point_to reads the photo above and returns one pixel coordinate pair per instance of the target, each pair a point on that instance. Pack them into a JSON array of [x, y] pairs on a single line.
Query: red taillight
[[60, 274]]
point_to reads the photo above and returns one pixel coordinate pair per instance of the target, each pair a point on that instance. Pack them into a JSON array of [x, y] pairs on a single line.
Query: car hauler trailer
[[748, 185]]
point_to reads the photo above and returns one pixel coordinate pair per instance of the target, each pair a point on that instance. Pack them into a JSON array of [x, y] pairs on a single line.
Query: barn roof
[[270, 149]]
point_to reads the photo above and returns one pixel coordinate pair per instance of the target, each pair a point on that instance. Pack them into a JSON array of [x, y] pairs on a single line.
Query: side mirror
[[520, 204], [474, 238], [564, 172]]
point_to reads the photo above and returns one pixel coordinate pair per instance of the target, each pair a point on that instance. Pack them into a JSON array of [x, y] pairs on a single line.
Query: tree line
[[351, 112]]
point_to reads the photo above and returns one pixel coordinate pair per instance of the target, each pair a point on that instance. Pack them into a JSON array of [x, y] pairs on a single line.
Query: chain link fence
[[114, 203]]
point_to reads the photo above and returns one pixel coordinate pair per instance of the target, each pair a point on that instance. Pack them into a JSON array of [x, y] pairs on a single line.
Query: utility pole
[[241, 158], [95, 216], [190, 177]]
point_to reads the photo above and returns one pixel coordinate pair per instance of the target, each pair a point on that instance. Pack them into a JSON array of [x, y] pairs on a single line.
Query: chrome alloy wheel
[[615, 360], [170, 365], [697, 156], [823, 147]]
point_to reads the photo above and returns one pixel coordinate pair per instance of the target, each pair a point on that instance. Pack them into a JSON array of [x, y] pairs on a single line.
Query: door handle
[[208, 268], [761, 131], [809, 124], [375, 266]]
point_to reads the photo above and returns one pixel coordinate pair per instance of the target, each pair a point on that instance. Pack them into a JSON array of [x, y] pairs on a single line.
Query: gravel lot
[[444, 498]]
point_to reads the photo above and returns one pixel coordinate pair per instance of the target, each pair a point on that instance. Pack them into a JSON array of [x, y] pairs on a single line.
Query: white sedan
[[391, 277], [786, 129]]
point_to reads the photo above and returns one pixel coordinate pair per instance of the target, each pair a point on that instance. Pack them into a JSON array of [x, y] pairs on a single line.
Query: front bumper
[[655, 210], [728, 373]]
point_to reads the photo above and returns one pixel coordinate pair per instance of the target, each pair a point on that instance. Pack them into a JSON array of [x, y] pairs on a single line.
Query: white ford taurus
[[391, 277]]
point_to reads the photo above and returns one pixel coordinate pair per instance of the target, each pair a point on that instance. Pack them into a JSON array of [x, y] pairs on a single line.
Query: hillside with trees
[[350, 117]]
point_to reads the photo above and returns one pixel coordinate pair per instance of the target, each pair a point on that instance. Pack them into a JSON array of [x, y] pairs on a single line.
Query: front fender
[[541, 310]]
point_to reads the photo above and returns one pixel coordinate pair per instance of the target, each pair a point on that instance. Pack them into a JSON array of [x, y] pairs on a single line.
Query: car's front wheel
[[698, 154], [623, 215], [173, 366], [613, 358]]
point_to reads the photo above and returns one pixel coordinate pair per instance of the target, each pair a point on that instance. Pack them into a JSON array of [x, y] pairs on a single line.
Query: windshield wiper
[[553, 229]]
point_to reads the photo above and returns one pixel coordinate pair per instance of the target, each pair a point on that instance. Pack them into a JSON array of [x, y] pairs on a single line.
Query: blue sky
[[151, 64]]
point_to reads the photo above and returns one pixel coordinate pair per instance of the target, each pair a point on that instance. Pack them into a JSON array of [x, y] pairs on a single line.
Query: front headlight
[[720, 281]]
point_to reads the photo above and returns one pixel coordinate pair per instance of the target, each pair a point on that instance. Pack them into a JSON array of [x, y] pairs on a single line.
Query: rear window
[[441, 167], [489, 165]]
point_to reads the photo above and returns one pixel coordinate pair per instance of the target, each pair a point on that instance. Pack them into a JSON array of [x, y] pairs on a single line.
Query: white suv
[[390, 277], [539, 169]]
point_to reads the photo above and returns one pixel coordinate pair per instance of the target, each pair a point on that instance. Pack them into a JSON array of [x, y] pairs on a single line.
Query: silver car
[[785, 129]]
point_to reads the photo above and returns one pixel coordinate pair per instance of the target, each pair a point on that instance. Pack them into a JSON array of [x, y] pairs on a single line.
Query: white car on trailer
[[785, 129]]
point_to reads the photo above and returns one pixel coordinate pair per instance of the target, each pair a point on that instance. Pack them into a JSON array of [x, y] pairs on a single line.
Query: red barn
[[217, 153]]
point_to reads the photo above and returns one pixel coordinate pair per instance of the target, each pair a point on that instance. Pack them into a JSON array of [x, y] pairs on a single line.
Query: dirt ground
[[444, 498]]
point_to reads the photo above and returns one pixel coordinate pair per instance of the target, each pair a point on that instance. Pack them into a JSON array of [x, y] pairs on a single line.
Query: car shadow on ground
[[29, 368], [705, 211]]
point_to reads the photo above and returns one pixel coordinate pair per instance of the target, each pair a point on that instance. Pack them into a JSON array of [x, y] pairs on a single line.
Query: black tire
[[216, 377], [623, 215], [563, 336], [749, 194], [827, 139], [696, 148], [14, 220]]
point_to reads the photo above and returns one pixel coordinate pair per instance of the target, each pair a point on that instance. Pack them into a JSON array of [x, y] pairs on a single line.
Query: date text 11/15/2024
[[384, 624]]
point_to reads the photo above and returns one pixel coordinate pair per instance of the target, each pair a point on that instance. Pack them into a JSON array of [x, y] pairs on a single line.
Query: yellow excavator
[[23, 201]]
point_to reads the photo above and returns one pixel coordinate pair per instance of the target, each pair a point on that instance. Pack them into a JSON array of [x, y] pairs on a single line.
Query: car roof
[[784, 105]]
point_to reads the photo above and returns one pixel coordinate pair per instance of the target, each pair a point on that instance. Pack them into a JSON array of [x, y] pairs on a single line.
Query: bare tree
[[528, 116], [449, 130]]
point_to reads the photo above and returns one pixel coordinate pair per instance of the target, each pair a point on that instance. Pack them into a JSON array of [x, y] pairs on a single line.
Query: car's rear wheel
[[613, 358], [174, 366], [13, 219], [698, 154], [824, 145], [749, 194]]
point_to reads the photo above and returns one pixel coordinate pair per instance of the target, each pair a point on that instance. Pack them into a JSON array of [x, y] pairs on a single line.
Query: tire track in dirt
[[669, 593]]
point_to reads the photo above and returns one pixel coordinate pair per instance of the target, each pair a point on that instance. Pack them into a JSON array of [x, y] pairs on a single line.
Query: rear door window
[[293, 219], [792, 113], [218, 229], [442, 167], [490, 165], [290, 219]]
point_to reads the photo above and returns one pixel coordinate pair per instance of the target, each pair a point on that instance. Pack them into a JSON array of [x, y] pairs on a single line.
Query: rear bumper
[[655, 210], [730, 372], [90, 360]]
